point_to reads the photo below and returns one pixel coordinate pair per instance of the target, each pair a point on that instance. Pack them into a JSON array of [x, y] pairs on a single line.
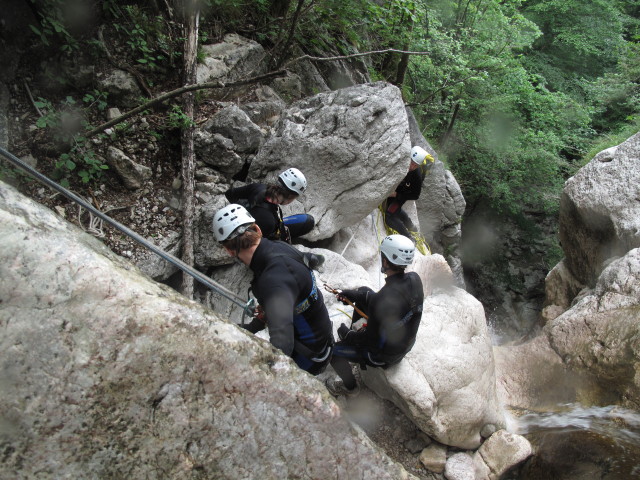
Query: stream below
[[576, 442]]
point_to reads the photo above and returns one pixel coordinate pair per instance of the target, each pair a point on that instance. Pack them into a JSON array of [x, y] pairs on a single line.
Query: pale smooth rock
[[351, 144], [447, 383], [600, 212], [500, 452], [434, 458], [459, 466], [106, 374]]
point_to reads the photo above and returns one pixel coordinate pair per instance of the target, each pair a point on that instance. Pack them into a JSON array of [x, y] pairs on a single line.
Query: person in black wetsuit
[[408, 189], [263, 203], [292, 305], [394, 317]]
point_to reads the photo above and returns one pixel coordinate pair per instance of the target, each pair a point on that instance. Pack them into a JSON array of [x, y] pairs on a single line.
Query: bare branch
[[180, 91], [353, 55]]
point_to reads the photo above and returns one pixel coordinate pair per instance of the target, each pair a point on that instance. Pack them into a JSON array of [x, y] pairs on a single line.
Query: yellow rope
[[421, 243]]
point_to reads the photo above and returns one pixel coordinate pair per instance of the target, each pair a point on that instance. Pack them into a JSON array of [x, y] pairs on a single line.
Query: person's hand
[[343, 331], [346, 296]]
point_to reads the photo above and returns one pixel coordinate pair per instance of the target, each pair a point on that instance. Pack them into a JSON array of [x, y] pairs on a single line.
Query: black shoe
[[314, 262], [336, 388]]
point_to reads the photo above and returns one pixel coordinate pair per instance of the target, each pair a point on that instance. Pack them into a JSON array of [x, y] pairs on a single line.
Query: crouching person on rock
[[394, 315], [292, 305], [263, 203]]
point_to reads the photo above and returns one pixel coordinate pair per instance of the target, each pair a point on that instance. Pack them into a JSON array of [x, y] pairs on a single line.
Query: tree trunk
[[191, 20], [452, 122], [292, 30], [404, 59]]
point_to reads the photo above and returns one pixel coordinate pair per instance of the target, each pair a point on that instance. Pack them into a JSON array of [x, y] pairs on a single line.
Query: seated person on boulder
[[263, 203], [394, 315], [291, 304]]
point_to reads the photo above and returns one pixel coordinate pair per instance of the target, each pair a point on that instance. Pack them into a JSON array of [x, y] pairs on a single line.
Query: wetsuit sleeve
[[278, 309], [238, 193], [363, 337]]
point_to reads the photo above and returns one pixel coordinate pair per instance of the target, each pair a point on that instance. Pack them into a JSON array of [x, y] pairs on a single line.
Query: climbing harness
[[247, 307], [311, 298]]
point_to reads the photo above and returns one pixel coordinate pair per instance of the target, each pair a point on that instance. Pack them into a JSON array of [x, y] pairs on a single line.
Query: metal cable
[[208, 282]]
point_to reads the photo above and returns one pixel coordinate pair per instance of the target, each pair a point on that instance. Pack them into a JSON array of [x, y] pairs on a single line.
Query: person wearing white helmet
[[285, 287], [263, 201], [408, 189], [394, 315]]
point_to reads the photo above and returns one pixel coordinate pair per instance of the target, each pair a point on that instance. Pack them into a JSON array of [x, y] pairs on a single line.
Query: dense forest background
[[514, 95]]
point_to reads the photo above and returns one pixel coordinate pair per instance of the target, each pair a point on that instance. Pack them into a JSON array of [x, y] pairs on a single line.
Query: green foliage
[[150, 38], [178, 119], [52, 28], [81, 161], [65, 124]]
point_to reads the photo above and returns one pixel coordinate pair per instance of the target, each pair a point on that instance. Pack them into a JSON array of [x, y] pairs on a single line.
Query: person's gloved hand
[[345, 295], [343, 331]]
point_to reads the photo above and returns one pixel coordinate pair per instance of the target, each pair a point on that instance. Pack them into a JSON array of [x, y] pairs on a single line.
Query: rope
[[216, 287], [421, 244], [343, 250]]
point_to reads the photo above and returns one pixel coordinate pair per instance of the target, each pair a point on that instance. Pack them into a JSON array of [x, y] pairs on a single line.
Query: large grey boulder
[[600, 211], [232, 59], [106, 374], [589, 353], [599, 335], [351, 144]]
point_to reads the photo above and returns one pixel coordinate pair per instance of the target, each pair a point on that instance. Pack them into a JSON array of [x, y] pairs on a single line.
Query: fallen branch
[[353, 55], [212, 85], [177, 92]]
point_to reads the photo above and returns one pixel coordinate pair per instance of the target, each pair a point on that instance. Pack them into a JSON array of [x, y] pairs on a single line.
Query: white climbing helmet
[[398, 249], [294, 180], [418, 154], [231, 221]]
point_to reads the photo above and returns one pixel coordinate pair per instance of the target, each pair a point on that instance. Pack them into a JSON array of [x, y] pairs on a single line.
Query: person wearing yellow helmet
[[408, 189]]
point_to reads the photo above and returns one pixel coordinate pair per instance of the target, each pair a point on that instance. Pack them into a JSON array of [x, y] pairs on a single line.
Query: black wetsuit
[[408, 189], [294, 309], [394, 317], [269, 215]]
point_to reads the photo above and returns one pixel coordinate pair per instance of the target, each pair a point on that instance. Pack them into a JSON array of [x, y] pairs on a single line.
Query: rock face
[[352, 145], [588, 350], [232, 59], [600, 210], [600, 333], [106, 374]]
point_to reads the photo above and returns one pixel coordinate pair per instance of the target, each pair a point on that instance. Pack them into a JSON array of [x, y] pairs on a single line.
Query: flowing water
[[579, 443]]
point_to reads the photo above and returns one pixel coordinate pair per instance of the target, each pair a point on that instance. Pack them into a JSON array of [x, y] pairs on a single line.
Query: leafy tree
[[580, 39]]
